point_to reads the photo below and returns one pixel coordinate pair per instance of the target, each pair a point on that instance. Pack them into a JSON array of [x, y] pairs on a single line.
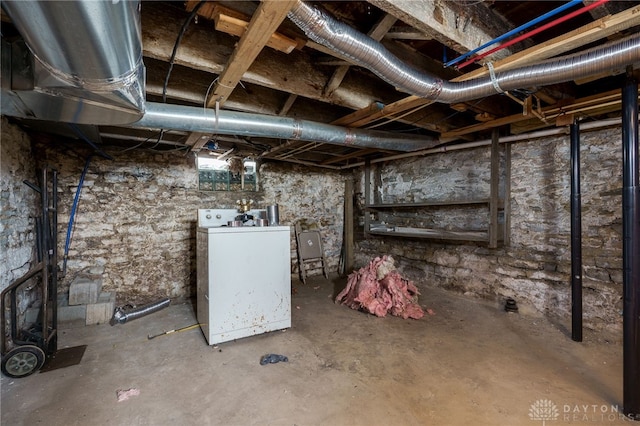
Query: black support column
[[576, 236], [631, 249]]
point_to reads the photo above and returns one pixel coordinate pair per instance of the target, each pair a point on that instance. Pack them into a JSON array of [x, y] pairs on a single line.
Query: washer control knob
[[208, 216], [218, 216]]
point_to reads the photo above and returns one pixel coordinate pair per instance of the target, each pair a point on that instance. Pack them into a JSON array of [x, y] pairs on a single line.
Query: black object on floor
[[64, 358], [510, 305], [272, 359]]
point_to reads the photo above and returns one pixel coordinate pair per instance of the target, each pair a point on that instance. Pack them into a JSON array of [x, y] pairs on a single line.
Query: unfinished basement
[[294, 212]]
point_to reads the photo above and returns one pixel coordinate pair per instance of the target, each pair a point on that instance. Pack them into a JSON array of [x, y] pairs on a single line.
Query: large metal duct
[[88, 69], [196, 119], [326, 30], [84, 63]]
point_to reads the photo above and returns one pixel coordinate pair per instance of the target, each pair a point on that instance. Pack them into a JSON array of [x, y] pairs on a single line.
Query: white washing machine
[[243, 277]]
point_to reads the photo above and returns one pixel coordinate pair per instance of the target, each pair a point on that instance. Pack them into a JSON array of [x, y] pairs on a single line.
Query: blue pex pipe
[[76, 199], [516, 30]]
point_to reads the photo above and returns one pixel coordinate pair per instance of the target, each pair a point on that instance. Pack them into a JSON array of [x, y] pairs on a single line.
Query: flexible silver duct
[[87, 60], [89, 70], [326, 30], [120, 315], [196, 119]]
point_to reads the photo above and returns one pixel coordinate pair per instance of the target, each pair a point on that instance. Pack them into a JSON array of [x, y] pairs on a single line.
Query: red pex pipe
[[534, 32]]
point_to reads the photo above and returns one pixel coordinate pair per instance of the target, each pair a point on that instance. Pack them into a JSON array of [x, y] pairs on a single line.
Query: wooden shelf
[[434, 234], [481, 201], [495, 206]]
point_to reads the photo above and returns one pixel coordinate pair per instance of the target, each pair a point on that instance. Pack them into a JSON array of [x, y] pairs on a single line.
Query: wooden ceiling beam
[[572, 40], [238, 27], [373, 112], [355, 154], [297, 75], [288, 104], [458, 25], [197, 140], [264, 22], [550, 112], [405, 33], [358, 115], [586, 34], [234, 22], [609, 8], [283, 146]]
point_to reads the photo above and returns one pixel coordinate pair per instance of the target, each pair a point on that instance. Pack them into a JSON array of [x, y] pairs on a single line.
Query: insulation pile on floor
[[378, 288]]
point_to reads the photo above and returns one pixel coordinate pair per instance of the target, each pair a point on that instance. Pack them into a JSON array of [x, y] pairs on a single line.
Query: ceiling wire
[[471, 3], [395, 118], [181, 148], [206, 96], [138, 145], [413, 129], [185, 25]]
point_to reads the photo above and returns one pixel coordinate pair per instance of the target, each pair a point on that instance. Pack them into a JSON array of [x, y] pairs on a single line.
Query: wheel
[[22, 361]]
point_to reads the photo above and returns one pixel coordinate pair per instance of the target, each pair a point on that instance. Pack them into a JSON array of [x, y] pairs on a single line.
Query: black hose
[[82, 136], [185, 25]]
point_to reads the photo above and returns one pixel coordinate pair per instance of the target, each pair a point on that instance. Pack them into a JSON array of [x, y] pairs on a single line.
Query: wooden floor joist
[[265, 21]]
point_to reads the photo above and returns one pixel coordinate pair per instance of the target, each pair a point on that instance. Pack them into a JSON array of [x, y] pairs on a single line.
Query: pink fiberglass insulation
[[378, 288]]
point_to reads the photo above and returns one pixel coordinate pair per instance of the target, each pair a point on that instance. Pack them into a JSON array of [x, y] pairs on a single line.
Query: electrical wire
[[206, 96], [395, 118], [185, 25], [181, 148], [82, 136], [259, 146], [137, 146], [413, 129]]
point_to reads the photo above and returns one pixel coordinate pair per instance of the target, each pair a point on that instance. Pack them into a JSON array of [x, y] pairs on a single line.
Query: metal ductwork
[[326, 30], [122, 315], [83, 63], [197, 119]]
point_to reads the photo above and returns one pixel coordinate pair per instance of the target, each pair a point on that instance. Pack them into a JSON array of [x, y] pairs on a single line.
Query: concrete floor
[[469, 364]]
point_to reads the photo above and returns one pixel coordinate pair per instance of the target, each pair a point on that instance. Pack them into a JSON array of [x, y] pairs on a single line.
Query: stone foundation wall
[[136, 219], [19, 204], [313, 197], [535, 268]]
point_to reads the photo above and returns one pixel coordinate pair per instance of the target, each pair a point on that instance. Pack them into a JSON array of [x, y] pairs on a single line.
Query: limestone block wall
[[535, 268], [136, 219], [18, 206], [314, 197]]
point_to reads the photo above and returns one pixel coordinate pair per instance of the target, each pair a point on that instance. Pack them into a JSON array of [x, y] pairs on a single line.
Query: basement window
[[232, 174]]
